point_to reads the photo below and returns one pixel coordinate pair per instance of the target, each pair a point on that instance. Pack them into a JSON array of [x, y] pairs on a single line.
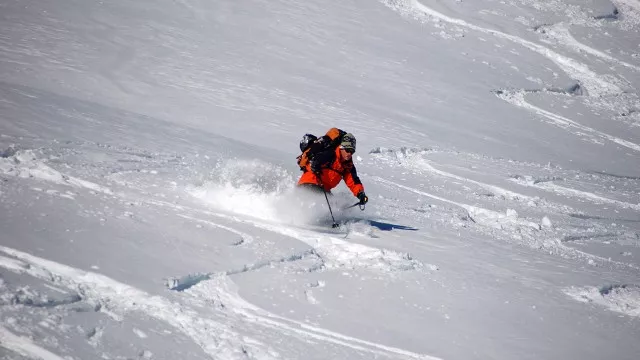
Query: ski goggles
[[349, 151]]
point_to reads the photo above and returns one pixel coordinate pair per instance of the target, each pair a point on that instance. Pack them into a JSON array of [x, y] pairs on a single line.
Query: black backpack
[[311, 144]]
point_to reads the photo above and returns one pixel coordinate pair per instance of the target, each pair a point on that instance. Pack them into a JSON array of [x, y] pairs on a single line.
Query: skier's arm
[[353, 181]]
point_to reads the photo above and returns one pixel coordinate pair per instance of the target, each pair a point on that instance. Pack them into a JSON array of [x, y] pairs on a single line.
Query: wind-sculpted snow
[[215, 333], [622, 298]]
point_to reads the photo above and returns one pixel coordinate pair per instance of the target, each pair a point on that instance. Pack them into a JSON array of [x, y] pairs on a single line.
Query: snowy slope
[[147, 171]]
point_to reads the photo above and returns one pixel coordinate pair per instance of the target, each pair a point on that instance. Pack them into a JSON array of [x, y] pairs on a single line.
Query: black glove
[[362, 197], [316, 167]]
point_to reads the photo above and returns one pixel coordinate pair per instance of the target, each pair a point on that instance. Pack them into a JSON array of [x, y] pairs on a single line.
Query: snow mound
[[622, 298]]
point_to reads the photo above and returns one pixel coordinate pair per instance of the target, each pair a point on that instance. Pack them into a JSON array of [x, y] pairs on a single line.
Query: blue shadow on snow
[[388, 227]]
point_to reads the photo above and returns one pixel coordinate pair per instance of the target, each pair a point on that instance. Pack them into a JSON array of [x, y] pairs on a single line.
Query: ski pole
[[354, 205], [335, 224]]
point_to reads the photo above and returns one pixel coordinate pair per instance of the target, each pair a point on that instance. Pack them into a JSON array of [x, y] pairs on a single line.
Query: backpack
[[310, 145]]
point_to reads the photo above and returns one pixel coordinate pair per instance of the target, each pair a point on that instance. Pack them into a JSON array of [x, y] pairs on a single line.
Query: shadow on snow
[[388, 226]]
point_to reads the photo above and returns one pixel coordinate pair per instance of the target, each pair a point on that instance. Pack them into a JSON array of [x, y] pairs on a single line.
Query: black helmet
[[306, 141]]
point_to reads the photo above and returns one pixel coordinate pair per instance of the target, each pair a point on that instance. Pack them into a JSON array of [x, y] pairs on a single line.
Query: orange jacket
[[333, 170]]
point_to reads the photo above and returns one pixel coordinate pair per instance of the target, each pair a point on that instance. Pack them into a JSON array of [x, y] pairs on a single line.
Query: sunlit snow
[[148, 170]]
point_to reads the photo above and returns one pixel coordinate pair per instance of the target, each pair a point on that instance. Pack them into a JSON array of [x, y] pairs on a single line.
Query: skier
[[326, 161]]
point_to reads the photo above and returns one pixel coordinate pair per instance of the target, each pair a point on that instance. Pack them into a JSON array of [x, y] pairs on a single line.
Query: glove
[[362, 197]]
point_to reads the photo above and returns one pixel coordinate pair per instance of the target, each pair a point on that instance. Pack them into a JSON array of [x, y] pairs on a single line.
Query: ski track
[[517, 98], [596, 85], [224, 288], [216, 338], [480, 216], [508, 194], [561, 34], [187, 281], [417, 162], [516, 228], [597, 199], [334, 252], [244, 237], [116, 299]]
